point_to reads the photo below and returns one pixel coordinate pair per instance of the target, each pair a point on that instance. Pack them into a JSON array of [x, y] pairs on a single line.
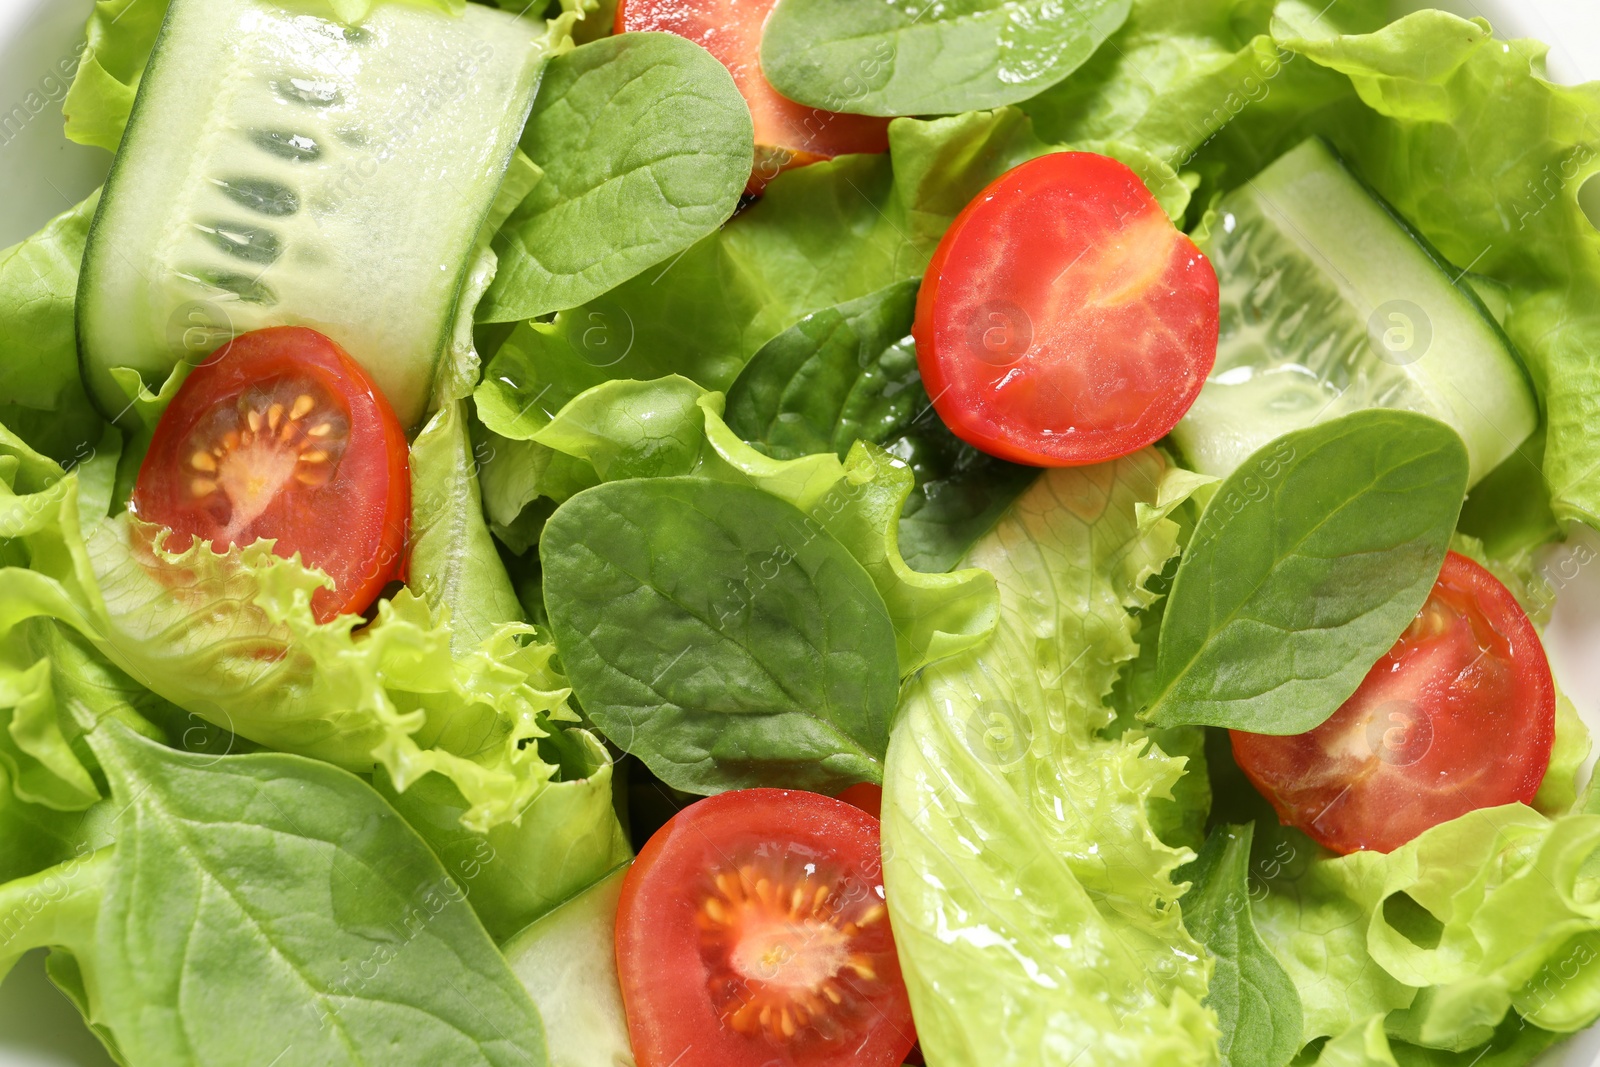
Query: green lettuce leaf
[[1035, 911], [41, 395], [1179, 78], [1487, 159], [121, 34], [642, 145], [1491, 913], [230, 636], [1514, 1045], [454, 565], [564, 841]]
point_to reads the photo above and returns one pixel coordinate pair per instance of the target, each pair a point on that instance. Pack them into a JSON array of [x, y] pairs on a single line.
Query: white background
[[41, 174]]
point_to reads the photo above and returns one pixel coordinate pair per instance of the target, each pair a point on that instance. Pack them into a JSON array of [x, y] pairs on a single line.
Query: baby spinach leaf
[[1307, 564], [912, 57], [1257, 1006], [324, 929], [849, 373], [721, 635], [644, 145]]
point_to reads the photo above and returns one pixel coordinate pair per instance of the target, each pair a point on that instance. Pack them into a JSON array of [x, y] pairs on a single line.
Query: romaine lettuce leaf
[[230, 636], [1035, 912]]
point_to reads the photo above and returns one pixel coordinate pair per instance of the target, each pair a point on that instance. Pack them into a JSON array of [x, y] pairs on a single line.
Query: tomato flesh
[[1458, 715], [1063, 319], [752, 930], [281, 435], [788, 134]]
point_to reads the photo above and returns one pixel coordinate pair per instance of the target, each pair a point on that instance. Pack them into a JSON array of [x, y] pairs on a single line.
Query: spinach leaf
[[454, 565], [721, 635], [821, 234], [912, 57], [1257, 1006], [644, 145], [849, 373], [1310, 560], [323, 928]]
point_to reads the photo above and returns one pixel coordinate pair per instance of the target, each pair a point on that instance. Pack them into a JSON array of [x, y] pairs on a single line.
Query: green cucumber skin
[[1317, 250], [396, 322], [1457, 276], [599, 1034]]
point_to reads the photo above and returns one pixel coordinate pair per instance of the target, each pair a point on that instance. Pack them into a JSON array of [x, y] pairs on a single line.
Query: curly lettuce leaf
[[671, 426], [230, 636], [1487, 917], [1035, 912], [1179, 78], [567, 839], [567, 836], [1487, 159]]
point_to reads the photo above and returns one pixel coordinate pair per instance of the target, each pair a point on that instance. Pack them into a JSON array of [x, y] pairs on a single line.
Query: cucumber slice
[[567, 960], [285, 169], [1331, 304]]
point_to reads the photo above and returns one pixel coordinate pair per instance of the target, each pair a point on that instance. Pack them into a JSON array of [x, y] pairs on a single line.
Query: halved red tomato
[[280, 434], [787, 134], [1459, 715], [752, 931], [866, 796], [1063, 319]]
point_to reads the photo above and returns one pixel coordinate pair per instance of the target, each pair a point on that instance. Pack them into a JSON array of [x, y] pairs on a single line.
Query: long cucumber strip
[[281, 168], [1332, 304]]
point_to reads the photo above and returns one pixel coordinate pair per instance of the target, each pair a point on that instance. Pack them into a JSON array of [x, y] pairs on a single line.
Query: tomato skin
[[353, 526], [788, 134], [866, 796], [1063, 319], [1458, 715], [671, 980]]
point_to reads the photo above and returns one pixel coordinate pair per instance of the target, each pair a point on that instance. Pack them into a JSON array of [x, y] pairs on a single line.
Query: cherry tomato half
[[866, 796], [787, 134], [1459, 715], [280, 434], [752, 930], [1063, 319]]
